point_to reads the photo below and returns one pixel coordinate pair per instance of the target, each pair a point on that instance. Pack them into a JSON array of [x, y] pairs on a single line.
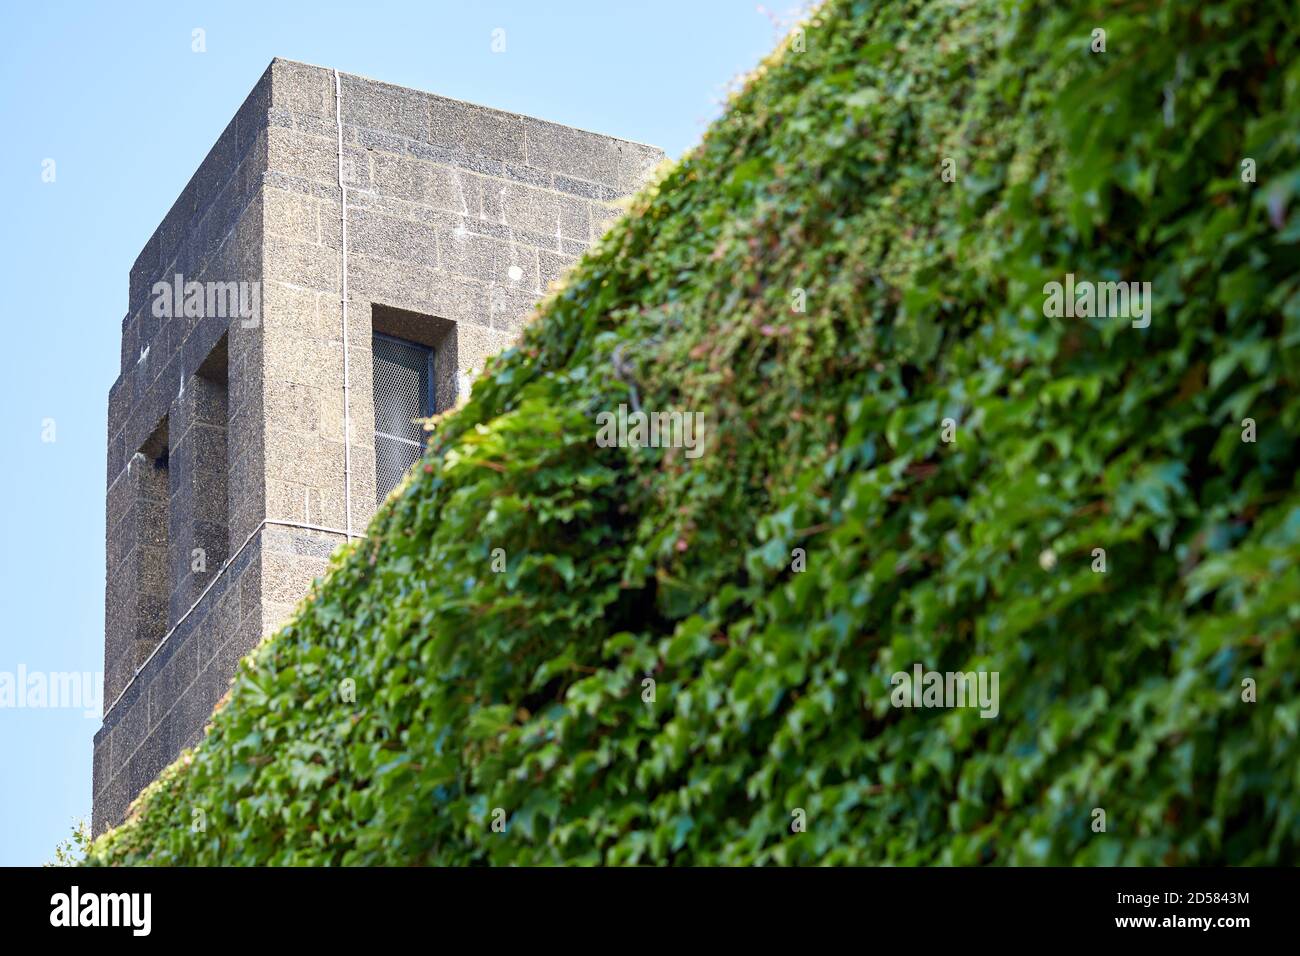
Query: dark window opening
[[403, 380], [150, 471], [200, 509]]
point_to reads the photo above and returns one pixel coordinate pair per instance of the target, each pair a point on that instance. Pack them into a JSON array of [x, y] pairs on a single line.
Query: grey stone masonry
[[235, 465]]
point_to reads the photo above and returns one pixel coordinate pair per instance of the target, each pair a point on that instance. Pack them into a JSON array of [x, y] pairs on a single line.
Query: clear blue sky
[[115, 96]]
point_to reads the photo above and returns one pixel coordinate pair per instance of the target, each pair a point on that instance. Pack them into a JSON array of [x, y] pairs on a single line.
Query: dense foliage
[[1121, 690]]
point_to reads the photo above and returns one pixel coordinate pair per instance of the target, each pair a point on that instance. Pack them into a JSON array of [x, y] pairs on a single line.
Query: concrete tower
[[344, 259]]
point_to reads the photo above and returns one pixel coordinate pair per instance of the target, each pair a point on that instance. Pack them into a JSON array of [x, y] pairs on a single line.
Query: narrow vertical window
[[150, 471], [403, 378], [198, 521]]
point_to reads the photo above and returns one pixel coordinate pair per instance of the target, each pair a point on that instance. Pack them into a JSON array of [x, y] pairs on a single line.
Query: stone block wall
[[184, 472], [227, 439]]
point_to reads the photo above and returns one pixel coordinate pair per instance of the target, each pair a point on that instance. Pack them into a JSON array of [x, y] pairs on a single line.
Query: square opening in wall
[[403, 385]]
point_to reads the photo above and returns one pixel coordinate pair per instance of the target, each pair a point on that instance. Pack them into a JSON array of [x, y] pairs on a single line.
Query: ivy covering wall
[[682, 655]]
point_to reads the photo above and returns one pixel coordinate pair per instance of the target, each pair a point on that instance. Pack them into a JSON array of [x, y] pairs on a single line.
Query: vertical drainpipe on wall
[[343, 219]]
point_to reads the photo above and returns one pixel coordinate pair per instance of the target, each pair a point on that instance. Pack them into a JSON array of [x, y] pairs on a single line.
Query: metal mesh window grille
[[403, 393]]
